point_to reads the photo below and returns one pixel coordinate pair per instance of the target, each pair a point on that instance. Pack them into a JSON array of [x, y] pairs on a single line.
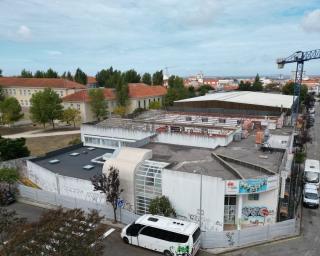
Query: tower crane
[[298, 57]]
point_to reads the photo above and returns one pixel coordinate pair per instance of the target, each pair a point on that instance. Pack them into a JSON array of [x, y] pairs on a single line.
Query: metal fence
[[55, 199], [210, 239], [234, 238]]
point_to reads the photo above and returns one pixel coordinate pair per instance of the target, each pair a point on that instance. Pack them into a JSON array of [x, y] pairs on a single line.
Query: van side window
[[164, 235], [134, 229], [196, 235]]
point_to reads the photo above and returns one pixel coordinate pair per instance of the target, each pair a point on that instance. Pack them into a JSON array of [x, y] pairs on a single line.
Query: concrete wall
[[193, 140], [183, 190]]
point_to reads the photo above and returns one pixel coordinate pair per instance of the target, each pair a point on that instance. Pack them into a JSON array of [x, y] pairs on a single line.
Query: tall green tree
[[288, 89], [10, 110], [107, 77], [1, 94], [204, 89], [122, 93], [157, 78], [26, 74], [80, 77], [71, 115], [39, 74], [51, 73], [13, 148], [257, 84], [46, 107], [131, 76], [146, 78], [98, 103], [176, 90], [244, 86]]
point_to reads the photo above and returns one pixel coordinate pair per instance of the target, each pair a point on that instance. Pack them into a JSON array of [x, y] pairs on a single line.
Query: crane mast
[[298, 57]]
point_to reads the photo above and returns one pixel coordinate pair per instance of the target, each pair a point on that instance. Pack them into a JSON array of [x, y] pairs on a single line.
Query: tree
[[51, 73], [71, 115], [176, 90], [204, 89], [162, 206], [191, 92], [257, 84], [8, 177], [46, 106], [131, 76], [26, 74], [157, 78], [39, 74], [67, 75], [146, 78], [244, 86], [0, 72], [120, 110], [98, 103], [60, 232], [155, 105], [272, 87], [9, 224], [10, 110], [288, 89], [80, 77], [13, 148], [109, 185], [108, 77], [1, 94]]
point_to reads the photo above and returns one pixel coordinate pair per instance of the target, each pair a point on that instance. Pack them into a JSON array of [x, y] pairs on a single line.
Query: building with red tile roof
[[140, 96]]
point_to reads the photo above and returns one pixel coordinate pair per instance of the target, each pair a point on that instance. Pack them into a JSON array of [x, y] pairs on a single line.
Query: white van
[[312, 172], [310, 196], [165, 235]]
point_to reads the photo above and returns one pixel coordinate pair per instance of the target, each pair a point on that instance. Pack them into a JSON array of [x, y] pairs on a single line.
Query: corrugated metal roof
[[245, 97]]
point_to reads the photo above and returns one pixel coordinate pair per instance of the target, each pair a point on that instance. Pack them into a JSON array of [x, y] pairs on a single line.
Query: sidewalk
[[39, 133]]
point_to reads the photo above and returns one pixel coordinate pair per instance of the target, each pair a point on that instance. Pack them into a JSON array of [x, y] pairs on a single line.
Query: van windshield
[[311, 196], [312, 177]]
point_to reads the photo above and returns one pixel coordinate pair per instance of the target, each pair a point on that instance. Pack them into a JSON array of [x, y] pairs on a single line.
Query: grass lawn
[[42, 145]]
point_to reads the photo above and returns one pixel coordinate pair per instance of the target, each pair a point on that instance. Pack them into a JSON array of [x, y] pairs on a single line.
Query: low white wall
[[183, 190], [193, 140]]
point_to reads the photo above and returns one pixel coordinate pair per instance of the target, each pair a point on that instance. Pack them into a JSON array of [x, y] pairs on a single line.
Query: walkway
[[39, 133]]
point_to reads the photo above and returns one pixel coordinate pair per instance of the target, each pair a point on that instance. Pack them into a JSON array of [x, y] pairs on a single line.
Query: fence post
[[269, 232]]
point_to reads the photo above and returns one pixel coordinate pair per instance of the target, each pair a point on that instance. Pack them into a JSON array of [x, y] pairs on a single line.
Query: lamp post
[[200, 211]]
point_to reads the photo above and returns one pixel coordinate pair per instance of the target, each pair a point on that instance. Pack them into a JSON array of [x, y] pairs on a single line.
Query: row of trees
[[248, 86], [79, 76], [112, 77]]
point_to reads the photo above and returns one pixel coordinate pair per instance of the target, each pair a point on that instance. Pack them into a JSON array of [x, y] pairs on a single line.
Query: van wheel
[[167, 253], [125, 240]]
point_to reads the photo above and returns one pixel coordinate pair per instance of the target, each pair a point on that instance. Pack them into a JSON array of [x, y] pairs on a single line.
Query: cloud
[[24, 32], [311, 22]]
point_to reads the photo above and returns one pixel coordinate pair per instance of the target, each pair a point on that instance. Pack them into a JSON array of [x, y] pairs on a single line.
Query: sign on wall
[[250, 186]]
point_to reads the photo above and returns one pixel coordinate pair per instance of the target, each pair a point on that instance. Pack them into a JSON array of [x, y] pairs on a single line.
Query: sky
[[216, 37]]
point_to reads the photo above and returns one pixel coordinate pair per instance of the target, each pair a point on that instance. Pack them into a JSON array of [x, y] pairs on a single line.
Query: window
[[10, 91], [61, 93], [254, 197], [14, 91], [134, 229], [164, 235], [144, 103], [29, 92], [20, 91], [78, 106], [149, 101], [26, 102], [21, 101], [24, 92], [230, 209], [196, 235], [139, 104]]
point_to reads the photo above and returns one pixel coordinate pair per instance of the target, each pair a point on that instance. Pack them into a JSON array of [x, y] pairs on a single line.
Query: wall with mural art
[[183, 190], [262, 211]]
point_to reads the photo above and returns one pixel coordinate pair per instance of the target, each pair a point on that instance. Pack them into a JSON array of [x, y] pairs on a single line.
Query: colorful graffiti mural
[[181, 250], [253, 186], [256, 215]]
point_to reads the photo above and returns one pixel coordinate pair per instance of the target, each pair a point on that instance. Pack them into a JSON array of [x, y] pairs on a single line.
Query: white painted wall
[[183, 190], [193, 140]]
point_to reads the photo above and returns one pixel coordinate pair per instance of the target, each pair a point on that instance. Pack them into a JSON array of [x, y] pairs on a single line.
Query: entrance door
[[230, 203]]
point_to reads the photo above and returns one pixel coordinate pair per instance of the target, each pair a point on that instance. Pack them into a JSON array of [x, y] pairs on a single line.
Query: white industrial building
[[209, 168]]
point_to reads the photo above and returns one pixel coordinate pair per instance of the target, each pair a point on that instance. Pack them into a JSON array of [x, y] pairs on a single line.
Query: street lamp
[[199, 171]]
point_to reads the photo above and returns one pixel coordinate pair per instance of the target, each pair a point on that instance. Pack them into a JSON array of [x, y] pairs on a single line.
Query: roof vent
[[54, 161], [91, 148], [152, 219], [88, 167], [74, 154]]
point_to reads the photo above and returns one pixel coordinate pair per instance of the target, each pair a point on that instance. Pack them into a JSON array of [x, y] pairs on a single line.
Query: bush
[[162, 206], [155, 105], [299, 157], [75, 141], [120, 110]]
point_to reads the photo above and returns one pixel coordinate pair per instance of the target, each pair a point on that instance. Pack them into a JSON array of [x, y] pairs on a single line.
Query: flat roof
[[189, 159], [72, 166], [247, 97]]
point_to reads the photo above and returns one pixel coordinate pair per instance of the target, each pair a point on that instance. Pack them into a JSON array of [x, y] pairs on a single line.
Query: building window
[[24, 92], [149, 101], [144, 103], [20, 91], [29, 92], [71, 105], [158, 99], [78, 106], [139, 104], [26, 102], [10, 91], [21, 101], [61, 93], [14, 91], [253, 197], [230, 203]]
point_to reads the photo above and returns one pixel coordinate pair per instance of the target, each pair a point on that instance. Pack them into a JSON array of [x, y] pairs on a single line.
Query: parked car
[[310, 196], [312, 172]]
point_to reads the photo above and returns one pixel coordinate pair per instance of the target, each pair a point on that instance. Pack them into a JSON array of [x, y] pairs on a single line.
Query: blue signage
[[120, 203], [253, 186]]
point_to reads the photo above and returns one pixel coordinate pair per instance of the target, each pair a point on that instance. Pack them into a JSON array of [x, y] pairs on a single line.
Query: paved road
[[39, 133]]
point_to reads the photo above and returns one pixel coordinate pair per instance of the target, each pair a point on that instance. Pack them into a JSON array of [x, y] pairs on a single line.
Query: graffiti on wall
[[180, 250], [230, 238], [257, 215]]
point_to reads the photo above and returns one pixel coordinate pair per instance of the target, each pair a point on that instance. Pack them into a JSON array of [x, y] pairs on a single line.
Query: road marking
[[108, 232]]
